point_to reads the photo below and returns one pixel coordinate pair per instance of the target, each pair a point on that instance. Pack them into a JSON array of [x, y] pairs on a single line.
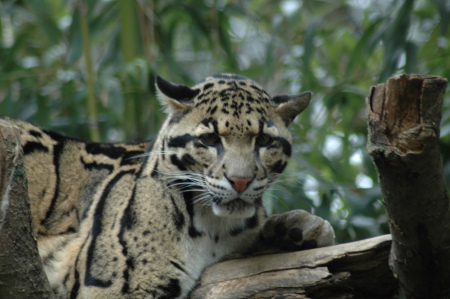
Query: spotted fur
[[143, 220]]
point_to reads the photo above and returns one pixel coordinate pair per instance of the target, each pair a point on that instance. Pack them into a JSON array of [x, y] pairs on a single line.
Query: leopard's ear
[[288, 107], [176, 98]]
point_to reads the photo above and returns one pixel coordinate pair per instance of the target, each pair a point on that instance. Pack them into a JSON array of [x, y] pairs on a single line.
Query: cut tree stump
[[353, 270], [404, 116]]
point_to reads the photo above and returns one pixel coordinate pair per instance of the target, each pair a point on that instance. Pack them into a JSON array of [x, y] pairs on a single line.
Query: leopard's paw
[[296, 230]]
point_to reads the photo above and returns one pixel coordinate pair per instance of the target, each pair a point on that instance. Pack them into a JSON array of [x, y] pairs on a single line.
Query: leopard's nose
[[239, 183]]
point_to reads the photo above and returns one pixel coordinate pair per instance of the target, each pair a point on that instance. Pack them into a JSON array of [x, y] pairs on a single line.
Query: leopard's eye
[[210, 139], [264, 140]]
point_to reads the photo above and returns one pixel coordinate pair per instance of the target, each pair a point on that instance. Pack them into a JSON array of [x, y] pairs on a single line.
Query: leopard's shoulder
[[64, 172]]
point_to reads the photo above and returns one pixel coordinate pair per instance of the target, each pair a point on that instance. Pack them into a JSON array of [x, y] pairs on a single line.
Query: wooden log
[[404, 115], [347, 270], [21, 269]]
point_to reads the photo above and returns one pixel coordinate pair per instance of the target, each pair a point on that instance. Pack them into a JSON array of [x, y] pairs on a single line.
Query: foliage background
[[87, 67]]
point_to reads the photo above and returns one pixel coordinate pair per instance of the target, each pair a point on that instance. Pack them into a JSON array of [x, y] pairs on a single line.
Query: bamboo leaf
[[75, 40], [44, 14], [91, 100], [128, 29]]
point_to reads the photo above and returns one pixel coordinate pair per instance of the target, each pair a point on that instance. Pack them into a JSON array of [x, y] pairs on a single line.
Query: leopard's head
[[226, 140]]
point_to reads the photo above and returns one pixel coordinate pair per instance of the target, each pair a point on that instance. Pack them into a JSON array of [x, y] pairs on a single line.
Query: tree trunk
[[21, 270], [404, 116]]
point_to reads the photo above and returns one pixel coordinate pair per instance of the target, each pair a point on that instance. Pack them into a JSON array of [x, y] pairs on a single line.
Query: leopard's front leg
[[295, 230]]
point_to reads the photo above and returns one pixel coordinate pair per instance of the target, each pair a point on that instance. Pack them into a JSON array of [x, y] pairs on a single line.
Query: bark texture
[[21, 271], [404, 115], [354, 270]]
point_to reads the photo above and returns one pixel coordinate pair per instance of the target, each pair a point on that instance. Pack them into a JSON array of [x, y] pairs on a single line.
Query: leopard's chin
[[236, 208]]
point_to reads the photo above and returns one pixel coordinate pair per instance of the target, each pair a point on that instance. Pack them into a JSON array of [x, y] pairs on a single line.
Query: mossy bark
[[21, 270]]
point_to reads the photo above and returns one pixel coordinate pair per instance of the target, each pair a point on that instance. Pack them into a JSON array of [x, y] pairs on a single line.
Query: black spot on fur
[[76, 286], [56, 136], [236, 231], [261, 111], [202, 102], [256, 88], [98, 166], [171, 290], [155, 172], [279, 166], [97, 227], [126, 223], [177, 216], [31, 147], [113, 152], [193, 232], [206, 121], [286, 145], [188, 200], [35, 133], [177, 162], [129, 158], [180, 141], [57, 150], [296, 234], [188, 159], [251, 222], [213, 109], [208, 86]]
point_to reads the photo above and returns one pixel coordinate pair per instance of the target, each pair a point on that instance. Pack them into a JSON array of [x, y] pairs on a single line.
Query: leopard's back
[[64, 174], [66, 180]]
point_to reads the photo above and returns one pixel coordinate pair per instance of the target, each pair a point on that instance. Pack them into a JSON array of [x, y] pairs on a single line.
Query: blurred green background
[[86, 68]]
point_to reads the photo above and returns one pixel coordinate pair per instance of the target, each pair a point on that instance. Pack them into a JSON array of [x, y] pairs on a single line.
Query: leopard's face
[[228, 143]]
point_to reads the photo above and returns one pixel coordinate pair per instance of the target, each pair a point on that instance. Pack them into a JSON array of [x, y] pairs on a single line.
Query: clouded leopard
[[143, 220]]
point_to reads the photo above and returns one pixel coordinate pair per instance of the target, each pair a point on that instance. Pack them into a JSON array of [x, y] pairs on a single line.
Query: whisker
[[146, 154]]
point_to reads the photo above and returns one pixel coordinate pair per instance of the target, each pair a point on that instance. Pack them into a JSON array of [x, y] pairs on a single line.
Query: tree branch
[[342, 271], [404, 116]]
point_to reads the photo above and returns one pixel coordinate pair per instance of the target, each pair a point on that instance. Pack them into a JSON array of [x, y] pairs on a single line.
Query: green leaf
[[75, 40]]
